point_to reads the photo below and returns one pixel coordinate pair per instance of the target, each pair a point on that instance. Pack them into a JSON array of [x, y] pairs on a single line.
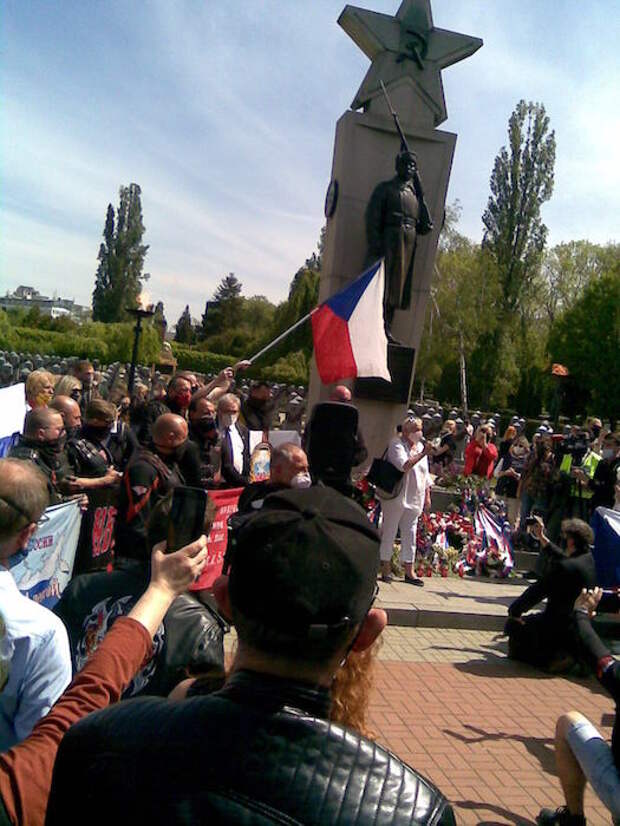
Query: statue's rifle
[[425, 222], [404, 146]]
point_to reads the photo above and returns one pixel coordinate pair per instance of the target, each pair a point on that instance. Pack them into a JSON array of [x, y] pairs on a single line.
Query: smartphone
[[187, 517], [531, 520]]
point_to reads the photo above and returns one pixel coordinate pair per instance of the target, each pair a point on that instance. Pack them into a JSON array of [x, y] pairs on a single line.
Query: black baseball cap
[[305, 564]]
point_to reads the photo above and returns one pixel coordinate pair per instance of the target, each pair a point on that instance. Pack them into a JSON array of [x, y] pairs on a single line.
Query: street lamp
[[138, 313]]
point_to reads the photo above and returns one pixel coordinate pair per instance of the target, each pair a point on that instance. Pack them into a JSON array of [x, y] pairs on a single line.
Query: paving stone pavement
[[453, 706]]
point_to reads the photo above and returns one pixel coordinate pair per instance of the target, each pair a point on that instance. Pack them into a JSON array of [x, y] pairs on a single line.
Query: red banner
[[226, 501]]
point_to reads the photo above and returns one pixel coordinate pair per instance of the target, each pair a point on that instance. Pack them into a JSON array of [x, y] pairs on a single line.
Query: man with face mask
[[40, 666], [43, 442], [177, 400], [203, 433], [111, 436], [91, 469], [152, 472], [288, 469], [258, 409], [235, 442], [604, 479]]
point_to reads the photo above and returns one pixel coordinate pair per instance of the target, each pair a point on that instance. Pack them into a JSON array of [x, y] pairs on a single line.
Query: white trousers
[[396, 516]]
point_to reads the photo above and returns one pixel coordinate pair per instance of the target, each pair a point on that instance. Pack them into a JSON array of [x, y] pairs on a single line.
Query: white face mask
[[415, 437], [609, 453], [228, 419], [301, 480]]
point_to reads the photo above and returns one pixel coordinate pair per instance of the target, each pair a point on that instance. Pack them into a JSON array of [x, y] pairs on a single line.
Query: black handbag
[[385, 476]]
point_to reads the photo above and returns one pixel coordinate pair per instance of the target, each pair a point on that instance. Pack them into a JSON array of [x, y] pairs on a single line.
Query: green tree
[[567, 270], [515, 236], [185, 330], [159, 320], [586, 339], [119, 276], [224, 310]]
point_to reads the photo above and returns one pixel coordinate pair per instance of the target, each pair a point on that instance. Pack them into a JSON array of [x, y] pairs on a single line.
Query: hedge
[[106, 342]]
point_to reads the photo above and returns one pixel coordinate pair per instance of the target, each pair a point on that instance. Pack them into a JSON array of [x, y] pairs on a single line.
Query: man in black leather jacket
[[546, 639], [262, 749]]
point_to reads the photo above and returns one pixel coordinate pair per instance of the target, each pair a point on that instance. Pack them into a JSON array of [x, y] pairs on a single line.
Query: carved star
[[406, 45]]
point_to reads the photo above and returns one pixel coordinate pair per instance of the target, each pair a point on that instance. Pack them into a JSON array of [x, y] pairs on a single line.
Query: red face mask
[[183, 398]]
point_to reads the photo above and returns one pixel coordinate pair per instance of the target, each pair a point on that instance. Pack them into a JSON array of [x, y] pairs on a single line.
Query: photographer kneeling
[[544, 639], [581, 753]]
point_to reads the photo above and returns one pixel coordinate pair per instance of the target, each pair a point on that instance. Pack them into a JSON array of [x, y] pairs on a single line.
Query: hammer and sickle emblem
[[415, 49]]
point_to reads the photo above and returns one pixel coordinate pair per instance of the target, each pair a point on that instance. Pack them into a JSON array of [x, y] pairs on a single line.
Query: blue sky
[[224, 113]]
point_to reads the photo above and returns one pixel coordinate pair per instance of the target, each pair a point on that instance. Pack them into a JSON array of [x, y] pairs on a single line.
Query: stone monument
[[407, 54]]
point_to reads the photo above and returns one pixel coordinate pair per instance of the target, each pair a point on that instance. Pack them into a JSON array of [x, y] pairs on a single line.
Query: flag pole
[[282, 336]]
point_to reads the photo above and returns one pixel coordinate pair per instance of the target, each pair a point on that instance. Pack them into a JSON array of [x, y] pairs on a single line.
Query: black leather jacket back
[[257, 752]]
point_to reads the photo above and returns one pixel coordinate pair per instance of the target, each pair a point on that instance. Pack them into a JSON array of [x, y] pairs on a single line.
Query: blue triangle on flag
[[344, 302]]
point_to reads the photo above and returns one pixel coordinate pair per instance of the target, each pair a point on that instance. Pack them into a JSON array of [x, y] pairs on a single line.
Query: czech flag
[[348, 332]]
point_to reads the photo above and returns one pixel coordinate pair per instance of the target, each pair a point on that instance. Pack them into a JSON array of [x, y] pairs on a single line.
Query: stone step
[[467, 604], [525, 560]]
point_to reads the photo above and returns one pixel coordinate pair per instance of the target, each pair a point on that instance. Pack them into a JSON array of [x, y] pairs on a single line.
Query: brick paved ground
[[453, 706]]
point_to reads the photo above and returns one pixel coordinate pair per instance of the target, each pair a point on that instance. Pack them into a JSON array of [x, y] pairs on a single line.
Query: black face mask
[[95, 433], [178, 453], [596, 430], [204, 425], [52, 450]]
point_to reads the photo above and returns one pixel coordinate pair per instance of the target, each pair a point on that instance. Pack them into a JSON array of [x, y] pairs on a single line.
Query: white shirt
[[417, 479], [236, 443], [40, 667]]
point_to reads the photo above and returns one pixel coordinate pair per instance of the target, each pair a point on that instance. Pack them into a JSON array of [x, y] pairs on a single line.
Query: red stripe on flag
[[332, 346]]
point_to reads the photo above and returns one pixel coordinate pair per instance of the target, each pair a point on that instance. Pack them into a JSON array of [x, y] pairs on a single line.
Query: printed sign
[[12, 414], [96, 546], [217, 540], [44, 570]]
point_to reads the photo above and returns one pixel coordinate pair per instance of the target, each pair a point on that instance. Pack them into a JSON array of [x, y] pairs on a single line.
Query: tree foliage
[[586, 339], [223, 312], [185, 330], [119, 277], [521, 181]]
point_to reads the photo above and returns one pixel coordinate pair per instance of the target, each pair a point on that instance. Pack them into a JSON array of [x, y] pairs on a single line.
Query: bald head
[[169, 432], [287, 460], [340, 393], [69, 409]]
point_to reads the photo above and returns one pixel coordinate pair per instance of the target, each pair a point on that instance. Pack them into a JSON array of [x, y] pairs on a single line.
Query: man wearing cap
[[300, 588]]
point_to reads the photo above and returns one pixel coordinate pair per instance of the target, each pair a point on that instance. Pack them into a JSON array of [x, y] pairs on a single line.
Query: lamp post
[[138, 313]]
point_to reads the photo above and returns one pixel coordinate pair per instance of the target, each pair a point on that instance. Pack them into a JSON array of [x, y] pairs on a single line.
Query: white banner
[[12, 414], [43, 571]]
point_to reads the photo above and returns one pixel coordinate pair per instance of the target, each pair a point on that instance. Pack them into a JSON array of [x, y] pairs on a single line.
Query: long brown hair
[[351, 690]]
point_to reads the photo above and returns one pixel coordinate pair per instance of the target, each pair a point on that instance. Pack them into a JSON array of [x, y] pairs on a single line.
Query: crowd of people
[[299, 584]]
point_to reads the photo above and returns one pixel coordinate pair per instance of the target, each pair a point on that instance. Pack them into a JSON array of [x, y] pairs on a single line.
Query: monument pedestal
[[407, 54]]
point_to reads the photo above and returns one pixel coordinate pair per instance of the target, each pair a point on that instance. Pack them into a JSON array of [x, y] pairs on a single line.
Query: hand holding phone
[[187, 517]]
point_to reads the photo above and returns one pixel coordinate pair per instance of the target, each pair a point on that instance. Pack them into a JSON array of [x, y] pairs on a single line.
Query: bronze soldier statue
[[395, 216]]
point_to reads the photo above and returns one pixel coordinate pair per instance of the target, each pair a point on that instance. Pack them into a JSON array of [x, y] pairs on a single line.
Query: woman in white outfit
[[406, 453]]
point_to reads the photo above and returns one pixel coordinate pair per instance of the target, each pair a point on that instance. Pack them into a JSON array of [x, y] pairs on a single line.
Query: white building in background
[[25, 298]]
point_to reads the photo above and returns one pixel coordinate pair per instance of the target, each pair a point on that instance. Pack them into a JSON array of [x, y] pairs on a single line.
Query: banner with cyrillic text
[[44, 570]]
